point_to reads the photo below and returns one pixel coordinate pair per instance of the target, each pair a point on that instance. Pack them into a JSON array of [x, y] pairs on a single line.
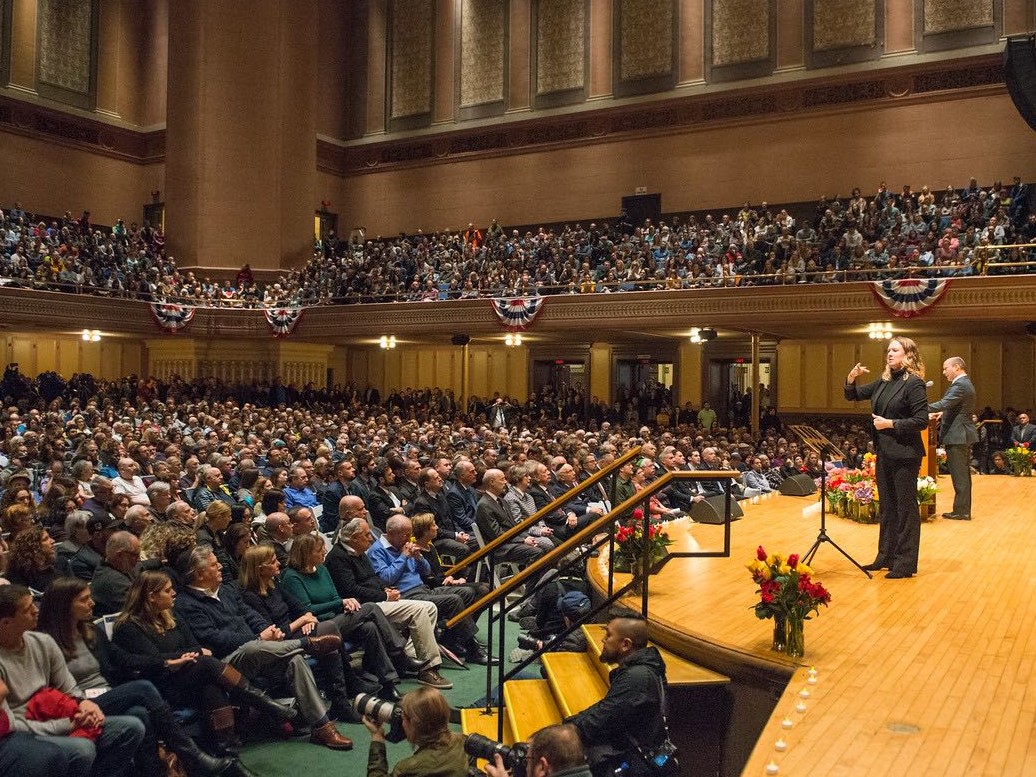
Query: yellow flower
[[803, 569], [783, 569]]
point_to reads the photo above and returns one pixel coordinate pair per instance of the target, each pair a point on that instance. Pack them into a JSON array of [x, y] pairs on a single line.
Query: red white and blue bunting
[[517, 312], [172, 318], [910, 296], [283, 320]]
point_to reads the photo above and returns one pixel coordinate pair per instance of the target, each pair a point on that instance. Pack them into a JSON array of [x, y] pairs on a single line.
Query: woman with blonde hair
[[437, 750], [257, 581], [899, 412]]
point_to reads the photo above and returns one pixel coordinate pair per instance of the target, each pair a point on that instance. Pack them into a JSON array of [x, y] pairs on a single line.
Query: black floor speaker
[[710, 510], [798, 485]]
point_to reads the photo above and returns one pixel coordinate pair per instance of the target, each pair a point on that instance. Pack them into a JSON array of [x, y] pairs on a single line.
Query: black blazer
[[905, 403]]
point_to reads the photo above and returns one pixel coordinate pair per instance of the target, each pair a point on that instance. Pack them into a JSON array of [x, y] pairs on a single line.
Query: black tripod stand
[[822, 537]]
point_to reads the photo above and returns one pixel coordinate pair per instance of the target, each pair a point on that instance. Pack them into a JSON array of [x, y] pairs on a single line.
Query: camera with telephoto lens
[[528, 642], [383, 712], [484, 747]]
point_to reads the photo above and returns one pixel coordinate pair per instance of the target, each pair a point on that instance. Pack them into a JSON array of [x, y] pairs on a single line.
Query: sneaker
[[433, 679]]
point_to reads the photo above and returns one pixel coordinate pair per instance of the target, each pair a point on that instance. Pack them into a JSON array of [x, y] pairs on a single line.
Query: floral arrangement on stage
[[926, 489], [788, 594], [853, 493], [1022, 459], [631, 544]]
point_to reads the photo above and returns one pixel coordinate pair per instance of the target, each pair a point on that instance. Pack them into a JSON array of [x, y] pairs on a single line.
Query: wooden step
[[575, 681], [679, 671], [530, 706], [476, 721]]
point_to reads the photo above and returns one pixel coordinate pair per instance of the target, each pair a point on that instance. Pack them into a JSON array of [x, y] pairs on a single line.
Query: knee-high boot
[[197, 762], [234, 683]]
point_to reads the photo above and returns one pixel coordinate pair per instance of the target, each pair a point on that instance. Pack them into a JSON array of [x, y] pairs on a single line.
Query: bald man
[[631, 713], [957, 433]]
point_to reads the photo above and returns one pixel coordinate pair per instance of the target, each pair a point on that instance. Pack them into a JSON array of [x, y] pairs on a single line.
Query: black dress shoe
[[874, 566], [389, 693], [956, 517], [407, 666], [898, 575], [478, 655]]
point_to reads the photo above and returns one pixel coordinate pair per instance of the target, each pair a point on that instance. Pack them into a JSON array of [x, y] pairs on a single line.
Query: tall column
[[689, 374], [241, 175], [601, 372]]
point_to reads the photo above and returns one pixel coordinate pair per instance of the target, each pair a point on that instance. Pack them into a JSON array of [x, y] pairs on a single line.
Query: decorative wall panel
[[740, 31], [645, 38], [951, 15], [951, 24], [412, 42], [66, 50], [483, 39], [839, 32], [560, 46], [839, 24]]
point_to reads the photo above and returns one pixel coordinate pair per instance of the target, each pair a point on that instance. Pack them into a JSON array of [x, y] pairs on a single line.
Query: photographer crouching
[[438, 752], [553, 751], [626, 733]]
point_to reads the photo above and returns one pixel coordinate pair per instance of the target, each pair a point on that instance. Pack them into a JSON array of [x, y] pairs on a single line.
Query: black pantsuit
[[900, 450]]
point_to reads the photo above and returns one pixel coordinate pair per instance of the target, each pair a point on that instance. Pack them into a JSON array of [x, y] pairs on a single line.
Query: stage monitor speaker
[[1030, 328], [798, 485], [710, 510], [1020, 76], [461, 339]]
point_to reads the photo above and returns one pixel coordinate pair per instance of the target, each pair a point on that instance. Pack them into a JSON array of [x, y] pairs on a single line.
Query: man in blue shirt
[[400, 563], [298, 493]]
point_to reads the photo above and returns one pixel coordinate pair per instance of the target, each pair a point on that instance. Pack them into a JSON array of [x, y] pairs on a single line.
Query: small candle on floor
[[772, 768], [780, 745], [804, 693], [800, 707], [787, 723]]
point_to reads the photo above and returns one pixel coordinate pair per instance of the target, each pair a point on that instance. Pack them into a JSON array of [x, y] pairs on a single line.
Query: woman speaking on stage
[[899, 407]]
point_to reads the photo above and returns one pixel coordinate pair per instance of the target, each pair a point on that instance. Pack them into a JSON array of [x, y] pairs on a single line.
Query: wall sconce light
[[702, 335], [91, 335], [387, 342], [880, 331], [512, 340]]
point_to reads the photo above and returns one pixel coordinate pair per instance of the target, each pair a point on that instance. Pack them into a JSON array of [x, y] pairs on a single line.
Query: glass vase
[[780, 634], [796, 636]]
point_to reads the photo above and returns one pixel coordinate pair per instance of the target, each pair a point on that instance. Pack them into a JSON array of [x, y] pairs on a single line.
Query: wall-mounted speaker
[[460, 339], [1020, 76], [1030, 328]]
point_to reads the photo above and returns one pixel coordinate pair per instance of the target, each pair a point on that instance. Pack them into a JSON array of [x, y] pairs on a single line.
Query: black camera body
[[384, 712], [513, 757]]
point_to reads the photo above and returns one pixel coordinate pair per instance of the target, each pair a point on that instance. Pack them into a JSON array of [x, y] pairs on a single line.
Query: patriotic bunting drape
[[910, 296], [172, 318], [517, 312], [282, 321]]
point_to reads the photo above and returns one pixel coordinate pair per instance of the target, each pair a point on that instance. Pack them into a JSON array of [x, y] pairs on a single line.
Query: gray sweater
[[38, 665]]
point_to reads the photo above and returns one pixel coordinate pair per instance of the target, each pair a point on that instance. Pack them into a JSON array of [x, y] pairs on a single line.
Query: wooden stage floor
[[931, 675]]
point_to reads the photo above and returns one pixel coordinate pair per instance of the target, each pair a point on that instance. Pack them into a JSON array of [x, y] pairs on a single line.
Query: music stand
[[819, 443]]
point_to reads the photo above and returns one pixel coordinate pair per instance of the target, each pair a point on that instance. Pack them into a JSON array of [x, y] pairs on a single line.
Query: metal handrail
[[592, 528], [525, 523]]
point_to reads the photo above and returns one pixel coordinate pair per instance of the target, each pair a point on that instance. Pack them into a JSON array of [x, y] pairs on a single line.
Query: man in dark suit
[[1023, 432], [344, 484], [957, 433], [492, 519], [462, 497]]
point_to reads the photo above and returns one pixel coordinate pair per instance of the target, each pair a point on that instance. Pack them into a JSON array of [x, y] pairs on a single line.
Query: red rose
[[760, 553], [638, 515], [793, 560]]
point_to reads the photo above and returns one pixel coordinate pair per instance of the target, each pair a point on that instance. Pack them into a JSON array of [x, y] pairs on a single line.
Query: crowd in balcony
[[925, 233]]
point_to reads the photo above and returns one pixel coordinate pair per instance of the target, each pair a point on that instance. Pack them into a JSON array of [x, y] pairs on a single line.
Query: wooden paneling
[[816, 375]]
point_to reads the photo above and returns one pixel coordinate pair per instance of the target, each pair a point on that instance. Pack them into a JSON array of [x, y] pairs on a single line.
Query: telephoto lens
[[383, 712], [528, 642], [484, 747]]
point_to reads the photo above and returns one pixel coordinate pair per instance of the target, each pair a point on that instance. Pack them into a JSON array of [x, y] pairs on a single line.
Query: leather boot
[[328, 736], [197, 762], [240, 689], [221, 728]]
